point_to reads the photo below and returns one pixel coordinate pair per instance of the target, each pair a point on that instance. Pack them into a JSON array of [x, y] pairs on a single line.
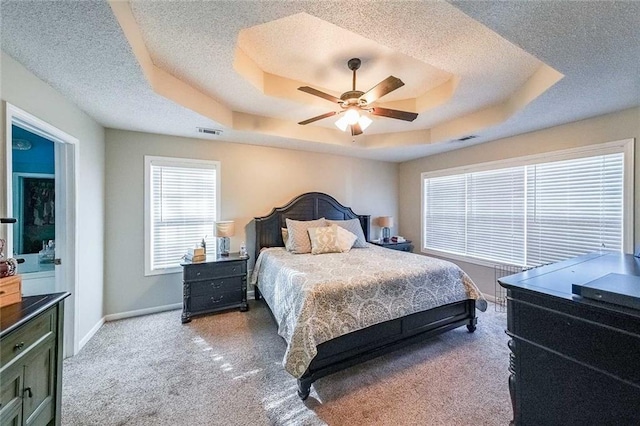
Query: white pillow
[[353, 226], [345, 239]]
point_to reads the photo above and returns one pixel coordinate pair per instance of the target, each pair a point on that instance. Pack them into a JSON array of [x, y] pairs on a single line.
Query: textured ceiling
[[79, 49]]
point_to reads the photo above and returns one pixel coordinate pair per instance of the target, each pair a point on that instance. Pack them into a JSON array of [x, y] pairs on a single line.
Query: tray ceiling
[[231, 65]]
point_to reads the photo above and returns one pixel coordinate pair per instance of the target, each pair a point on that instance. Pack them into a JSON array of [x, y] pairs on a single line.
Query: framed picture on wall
[[34, 207]]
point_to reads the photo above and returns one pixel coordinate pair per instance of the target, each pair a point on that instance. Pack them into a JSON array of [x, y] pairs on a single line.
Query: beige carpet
[[225, 369]]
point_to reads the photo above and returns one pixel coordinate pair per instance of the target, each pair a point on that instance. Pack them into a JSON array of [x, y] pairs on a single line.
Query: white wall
[[254, 179], [611, 127], [24, 90]]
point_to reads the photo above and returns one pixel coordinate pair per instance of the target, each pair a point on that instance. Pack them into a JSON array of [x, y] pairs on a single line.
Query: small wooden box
[[10, 290]]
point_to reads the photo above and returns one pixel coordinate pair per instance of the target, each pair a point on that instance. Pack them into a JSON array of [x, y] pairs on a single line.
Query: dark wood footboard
[[363, 345]]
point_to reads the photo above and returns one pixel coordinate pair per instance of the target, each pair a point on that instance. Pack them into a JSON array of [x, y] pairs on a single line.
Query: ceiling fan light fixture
[[364, 122], [352, 116], [342, 123]]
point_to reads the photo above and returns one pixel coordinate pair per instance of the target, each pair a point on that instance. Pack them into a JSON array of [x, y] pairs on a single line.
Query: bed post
[[304, 387], [473, 321]]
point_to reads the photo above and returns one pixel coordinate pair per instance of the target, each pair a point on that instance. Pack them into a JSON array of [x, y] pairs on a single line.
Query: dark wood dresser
[[403, 246], [31, 336], [574, 361], [214, 285]]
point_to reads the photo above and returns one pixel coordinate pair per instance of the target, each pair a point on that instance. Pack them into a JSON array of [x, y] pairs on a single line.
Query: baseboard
[[140, 312], [91, 333]]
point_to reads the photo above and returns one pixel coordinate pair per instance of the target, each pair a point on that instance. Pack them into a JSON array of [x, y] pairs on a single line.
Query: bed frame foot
[[256, 293], [472, 324], [304, 388]]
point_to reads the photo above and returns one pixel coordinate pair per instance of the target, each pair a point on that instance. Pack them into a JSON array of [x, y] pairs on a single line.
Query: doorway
[[43, 199], [33, 191]]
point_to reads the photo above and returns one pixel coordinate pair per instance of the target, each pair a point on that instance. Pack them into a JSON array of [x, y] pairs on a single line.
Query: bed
[[291, 283]]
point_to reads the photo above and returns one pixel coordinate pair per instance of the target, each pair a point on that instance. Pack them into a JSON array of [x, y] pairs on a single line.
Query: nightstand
[[403, 246], [214, 285]]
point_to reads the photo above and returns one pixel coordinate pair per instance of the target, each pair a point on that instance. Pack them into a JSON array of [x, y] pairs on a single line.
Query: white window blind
[[182, 210], [574, 207], [495, 215], [530, 214], [445, 220]]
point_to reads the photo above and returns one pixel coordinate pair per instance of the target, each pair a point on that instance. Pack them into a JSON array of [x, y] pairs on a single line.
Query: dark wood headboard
[[309, 206]]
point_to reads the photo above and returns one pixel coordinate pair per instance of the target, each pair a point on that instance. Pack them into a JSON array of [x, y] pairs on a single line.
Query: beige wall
[[24, 90], [254, 179], [611, 127]]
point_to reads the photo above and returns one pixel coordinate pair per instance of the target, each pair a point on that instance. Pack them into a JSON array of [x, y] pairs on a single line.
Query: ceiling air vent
[[214, 132]]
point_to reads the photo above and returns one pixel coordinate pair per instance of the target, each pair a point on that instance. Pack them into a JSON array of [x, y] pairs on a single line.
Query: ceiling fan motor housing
[[350, 98]]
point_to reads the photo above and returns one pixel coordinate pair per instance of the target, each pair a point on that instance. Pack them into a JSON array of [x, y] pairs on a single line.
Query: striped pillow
[[353, 226], [298, 241]]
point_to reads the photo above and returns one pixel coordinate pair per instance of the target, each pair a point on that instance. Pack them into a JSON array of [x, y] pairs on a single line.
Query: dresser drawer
[[10, 391], [220, 300], [215, 287], [21, 339], [214, 270], [606, 349]]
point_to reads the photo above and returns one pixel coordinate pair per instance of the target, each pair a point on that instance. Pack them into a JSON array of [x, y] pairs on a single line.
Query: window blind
[[574, 207], [183, 210], [445, 219], [528, 215], [495, 215]]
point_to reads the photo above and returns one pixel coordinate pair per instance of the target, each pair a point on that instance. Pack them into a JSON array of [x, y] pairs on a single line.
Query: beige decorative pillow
[[345, 239], [324, 239], [285, 236], [298, 241]]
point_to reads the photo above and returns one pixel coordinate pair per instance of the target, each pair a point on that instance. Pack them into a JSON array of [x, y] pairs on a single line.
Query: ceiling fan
[[354, 101]]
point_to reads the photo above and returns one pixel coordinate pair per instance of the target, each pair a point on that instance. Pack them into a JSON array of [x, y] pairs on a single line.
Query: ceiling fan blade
[[356, 129], [316, 92], [319, 117], [394, 113], [387, 85]]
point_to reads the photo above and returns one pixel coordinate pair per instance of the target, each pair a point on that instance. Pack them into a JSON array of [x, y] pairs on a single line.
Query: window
[[181, 206], [534, 210]]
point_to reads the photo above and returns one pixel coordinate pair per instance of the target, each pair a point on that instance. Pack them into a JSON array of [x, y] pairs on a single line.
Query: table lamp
[[385, 222], [224, 230]]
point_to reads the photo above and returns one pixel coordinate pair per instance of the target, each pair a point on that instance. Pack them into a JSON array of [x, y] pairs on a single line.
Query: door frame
[[67, 163]]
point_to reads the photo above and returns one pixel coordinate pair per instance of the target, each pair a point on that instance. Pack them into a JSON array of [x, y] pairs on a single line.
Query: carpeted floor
[[225, 369]]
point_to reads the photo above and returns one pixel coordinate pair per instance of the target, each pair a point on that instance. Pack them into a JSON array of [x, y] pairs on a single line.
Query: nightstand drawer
[[20, 340], [219, 300], [214, 270], [214, 287]]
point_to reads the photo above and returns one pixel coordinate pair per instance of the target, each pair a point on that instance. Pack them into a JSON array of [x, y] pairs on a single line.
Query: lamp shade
[[225, 228], [385, 221]]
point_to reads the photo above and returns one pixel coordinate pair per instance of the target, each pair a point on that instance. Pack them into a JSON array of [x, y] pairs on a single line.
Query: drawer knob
[[28, 392], [18, 346], [214, 300]]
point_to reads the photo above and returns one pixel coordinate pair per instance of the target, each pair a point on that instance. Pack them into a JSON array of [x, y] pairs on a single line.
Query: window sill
[[467, 259]]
